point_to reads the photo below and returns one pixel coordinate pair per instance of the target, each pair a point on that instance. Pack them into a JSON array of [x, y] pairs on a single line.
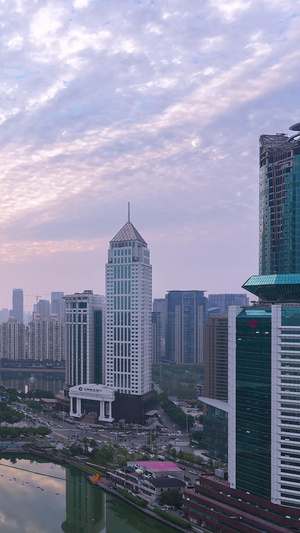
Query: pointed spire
[[128, 211]]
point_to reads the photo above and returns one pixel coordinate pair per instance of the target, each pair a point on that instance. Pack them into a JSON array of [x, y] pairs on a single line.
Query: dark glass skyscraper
[[185, 316], [279, 203]]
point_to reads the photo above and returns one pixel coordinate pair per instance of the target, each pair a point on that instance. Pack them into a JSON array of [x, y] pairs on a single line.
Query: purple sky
[[156, 102]]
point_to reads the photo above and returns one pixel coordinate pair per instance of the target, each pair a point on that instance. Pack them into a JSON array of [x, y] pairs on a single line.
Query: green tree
[[171, 497]]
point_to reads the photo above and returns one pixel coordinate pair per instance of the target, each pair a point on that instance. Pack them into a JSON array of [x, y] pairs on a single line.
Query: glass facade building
[[279, 204], [264, 402], [185, 316]]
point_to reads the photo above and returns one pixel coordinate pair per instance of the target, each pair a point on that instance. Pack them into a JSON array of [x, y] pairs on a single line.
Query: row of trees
[[175, 413]]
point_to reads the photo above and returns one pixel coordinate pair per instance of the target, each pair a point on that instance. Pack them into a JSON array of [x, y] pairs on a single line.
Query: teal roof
[[275, 287]]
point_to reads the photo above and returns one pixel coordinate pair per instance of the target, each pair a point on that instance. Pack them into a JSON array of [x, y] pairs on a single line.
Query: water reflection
[[41, 497], [85, 505], [47, 381]]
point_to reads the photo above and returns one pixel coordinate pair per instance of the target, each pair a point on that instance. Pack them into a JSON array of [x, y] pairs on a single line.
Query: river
[[48, 381], [42, 497]]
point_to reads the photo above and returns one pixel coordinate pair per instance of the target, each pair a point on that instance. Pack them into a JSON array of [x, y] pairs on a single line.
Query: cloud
[[158, 103]]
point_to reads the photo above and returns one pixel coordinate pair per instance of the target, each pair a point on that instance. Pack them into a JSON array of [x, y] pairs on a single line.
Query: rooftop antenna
[[128, 211]]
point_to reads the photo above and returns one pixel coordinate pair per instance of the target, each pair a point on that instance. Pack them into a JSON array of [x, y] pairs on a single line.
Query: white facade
[[84, 338], [102, 395], [285, 426], [129, 306], [12, 340], [46, 338]]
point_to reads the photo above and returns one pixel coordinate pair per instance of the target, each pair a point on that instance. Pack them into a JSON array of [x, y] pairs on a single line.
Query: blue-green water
[[40, 497]]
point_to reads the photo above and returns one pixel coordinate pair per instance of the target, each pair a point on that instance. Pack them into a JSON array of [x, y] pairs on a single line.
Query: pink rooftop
[[159, 466]]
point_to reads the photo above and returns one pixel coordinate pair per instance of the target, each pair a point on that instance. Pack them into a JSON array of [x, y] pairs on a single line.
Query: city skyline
[[159, 104]]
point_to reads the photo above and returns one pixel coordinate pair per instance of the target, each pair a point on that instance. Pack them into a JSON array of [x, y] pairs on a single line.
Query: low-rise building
[[149, 479], [217, 507]]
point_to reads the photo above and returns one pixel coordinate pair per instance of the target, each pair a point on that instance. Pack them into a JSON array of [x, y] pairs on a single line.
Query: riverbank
[[103, 483]]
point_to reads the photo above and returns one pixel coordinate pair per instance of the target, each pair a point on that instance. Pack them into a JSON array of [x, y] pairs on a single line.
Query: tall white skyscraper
[[129, 302]]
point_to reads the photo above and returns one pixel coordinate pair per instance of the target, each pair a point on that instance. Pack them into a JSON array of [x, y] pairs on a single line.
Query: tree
[[171, 497]]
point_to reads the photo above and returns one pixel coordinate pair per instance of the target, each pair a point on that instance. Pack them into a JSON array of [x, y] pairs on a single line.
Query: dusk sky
[[156, 102]]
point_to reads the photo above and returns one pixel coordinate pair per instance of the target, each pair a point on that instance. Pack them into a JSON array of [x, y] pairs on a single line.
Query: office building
[[129, 303], [84, 338], [18, 305], [12, 340], [185, 316], [219, 303], [279, 203], [264, 391], [46, 338]]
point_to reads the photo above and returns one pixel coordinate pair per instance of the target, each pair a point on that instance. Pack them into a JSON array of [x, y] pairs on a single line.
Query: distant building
[[84, 338], [185, 316], [17, 305], [43, 307], [219, 303], [216, 357], [159, 306], [157, 352], [46, 338], [4, 315], [12, 340], [58, 305]]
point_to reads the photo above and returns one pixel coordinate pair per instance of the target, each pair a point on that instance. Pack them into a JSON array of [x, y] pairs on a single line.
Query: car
[[194, 472]]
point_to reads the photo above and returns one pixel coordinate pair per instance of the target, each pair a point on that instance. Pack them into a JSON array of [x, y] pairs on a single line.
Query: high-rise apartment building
[[84, 338], [46, 338], [279, 203], [129, 302], [18, 304], [12, 340], [43, 307], [185, 316]]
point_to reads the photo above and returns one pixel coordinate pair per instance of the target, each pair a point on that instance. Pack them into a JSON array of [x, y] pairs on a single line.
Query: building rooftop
[[278, 288], [156, 466], [164, 482], [128, 233]]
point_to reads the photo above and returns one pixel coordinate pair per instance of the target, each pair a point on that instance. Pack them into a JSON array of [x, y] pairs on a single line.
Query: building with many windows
[[219, 303], [129, 303], [46, 338], [17, 305], [185, 316], [84, 338], [279, 203], [12, 340], [264, 391], [216, 357]]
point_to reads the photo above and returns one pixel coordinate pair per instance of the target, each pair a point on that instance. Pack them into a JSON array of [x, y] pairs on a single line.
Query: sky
[[159, 103]]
